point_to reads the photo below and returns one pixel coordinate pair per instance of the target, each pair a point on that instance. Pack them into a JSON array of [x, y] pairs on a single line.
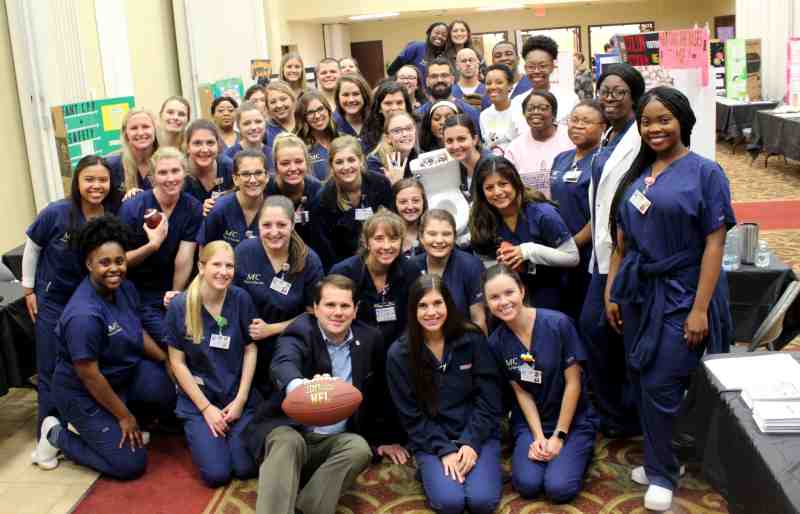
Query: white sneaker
[[658, 498], [639, 476], [46, 455]]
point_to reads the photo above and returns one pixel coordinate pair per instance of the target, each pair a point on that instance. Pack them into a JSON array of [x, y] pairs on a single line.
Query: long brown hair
[[337, 145], [298, 250], [293, 56], [301, 126]]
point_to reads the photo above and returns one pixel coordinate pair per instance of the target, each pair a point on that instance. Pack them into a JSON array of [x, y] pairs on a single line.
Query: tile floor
[[24, 488]]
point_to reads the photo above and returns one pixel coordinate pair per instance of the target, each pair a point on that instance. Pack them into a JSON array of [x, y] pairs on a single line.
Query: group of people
[[215, 266]]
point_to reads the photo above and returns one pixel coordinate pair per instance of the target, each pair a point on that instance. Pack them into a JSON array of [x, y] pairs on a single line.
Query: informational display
[[793, 72], [260, 68], [717, 57], [88, 128], [646, 47], [735, 69], [752, 48], [685, 49], [233, 87], [601, 61]]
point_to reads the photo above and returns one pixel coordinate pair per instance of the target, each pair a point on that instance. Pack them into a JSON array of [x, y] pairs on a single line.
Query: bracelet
[[206, 407]]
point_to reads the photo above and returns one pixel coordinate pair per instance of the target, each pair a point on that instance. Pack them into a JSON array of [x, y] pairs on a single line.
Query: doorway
[[369, 56]]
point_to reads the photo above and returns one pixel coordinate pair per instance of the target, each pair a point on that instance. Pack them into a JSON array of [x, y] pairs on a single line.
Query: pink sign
[[793, 73], [685, 49]]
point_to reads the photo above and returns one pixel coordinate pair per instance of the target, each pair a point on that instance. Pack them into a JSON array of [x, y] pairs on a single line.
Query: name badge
[[248, 234], [571, 176], [220, 341], [302, 217], [385, 312], [530, 375], [362, 213], [640, 201], [279, 285]]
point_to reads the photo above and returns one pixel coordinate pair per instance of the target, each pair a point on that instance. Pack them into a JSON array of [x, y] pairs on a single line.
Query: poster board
[[206, 93], [88, 128], [717, 58], [686, 74], [735, 69], [753, 52], [793, 72]]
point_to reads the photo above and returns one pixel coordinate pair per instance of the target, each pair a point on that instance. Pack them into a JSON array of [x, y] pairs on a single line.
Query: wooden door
[[369, 56]]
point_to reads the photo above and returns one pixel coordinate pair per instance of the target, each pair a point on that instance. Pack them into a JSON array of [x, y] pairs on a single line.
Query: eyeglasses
[[541, 109], [616, 94], [537, 67], [247, 175], [399, 131], [580, 122], [407, 77], [439, 76], [316, 112]]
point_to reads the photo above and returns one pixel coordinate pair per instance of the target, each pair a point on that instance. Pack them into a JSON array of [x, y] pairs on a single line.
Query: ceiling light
[[500, 8], [376, 16]]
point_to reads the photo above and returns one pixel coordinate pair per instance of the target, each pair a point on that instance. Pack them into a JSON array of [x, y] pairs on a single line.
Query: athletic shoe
[[46, 455], [639, 476], [658, 498]]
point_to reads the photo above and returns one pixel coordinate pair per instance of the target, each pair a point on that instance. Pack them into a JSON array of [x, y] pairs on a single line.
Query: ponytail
[[194, 311]]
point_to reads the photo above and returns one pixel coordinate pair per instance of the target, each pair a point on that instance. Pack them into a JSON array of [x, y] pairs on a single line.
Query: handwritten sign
[[682, 49]]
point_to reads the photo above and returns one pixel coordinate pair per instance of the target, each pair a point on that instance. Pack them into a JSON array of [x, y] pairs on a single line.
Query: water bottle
[[733, 247], [762, 254]]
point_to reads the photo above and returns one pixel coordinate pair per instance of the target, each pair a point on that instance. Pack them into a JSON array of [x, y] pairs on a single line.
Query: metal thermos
[[749, 233]]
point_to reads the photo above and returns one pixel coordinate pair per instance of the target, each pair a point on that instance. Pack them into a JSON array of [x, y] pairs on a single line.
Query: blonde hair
[[293, 56], [129, 165], [280, 86], [298, 250], [385, 148], [194, 301], [168, 152], [392, 223], [180, 139], [340, 144], [289, 140], [245, 107]]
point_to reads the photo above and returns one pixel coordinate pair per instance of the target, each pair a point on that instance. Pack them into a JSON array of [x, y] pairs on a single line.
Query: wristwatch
[[561, 435]]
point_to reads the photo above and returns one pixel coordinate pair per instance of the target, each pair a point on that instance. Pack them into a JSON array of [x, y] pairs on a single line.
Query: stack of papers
[[775, 417], [772, 391]]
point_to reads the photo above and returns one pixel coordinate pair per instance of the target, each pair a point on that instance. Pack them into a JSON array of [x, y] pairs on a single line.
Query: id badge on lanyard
[[279, 284], [385, 311], [363, 213], [527, 373]]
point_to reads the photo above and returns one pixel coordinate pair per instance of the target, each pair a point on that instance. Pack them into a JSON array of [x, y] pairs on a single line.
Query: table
[[775, 134], [734, 116], [13, 261], [755, 472], [754, 291], [17, 341]]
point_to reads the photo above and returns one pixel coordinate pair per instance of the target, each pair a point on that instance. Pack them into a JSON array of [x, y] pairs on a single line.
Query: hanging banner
[[685, 49], [793, 72], [735, 69]]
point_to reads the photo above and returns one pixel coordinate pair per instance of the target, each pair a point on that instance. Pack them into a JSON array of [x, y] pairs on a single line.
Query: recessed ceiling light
[[500, 8], [375, 16]]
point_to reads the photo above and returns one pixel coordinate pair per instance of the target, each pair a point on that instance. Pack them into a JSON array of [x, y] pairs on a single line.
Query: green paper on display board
[[88, 128], [233, 87], [736, 69]]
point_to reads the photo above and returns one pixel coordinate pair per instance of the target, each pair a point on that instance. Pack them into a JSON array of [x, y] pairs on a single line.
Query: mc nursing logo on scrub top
[[114, 329]]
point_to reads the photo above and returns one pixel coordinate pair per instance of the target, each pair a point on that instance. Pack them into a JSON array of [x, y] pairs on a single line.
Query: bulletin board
[[88, 128]]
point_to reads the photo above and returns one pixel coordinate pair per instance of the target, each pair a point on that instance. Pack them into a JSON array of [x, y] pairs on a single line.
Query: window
[[485, 41]]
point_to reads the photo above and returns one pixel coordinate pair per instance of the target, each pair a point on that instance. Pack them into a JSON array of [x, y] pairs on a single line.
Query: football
[[152, 218], [322, 402]]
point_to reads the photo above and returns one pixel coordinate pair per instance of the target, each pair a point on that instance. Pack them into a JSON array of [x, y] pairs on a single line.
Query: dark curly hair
[[99, 231], [543, 43]]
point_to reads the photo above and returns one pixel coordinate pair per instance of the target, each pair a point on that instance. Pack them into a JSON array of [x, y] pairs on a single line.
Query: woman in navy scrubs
[[347, 199], [234, 216], [669, 219], [353, 99], [519, 227], [223, 110], [431, 135], [410, 77], [421, 53], [381, 274], [569, 189], [280, 110], [618, 91], [131, 170], [444, 383], [161, 258], [458, 268], [210, 172], [393, 155], [389, 97], [256, 95], [279, 271], [52, 269], [174, 116], [293, 180], [108, 366], [463, 143], [214, 358], [314, 119], [410, 203], [252, 130], [293, 73], [553, 425]]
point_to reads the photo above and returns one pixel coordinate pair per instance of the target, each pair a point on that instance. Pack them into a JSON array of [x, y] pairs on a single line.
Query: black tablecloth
[[13, 261], [17, 342], [753, 293], [776, 134], [733, 118], [756, 473]]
